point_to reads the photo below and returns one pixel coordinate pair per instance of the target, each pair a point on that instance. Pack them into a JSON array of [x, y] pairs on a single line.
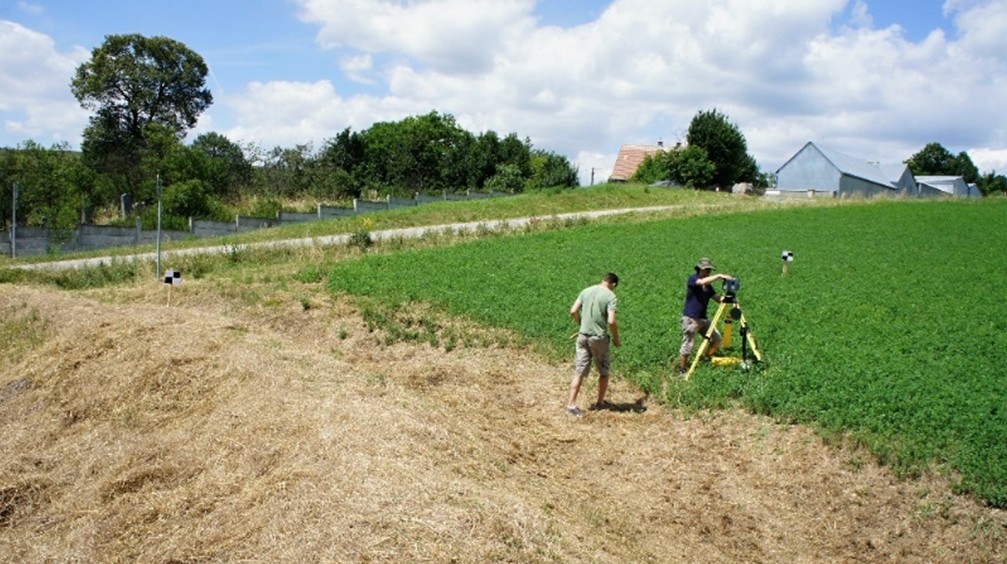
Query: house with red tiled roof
[[629, 159]]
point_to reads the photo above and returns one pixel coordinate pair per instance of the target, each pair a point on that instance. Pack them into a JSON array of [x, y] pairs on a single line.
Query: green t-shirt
[[596, 302]]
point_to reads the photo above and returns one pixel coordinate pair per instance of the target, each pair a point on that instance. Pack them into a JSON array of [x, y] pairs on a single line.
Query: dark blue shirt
[[696, 298]]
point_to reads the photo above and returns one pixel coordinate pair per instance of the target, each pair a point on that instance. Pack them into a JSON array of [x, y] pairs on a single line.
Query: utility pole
[[13, 225], [158, 226]]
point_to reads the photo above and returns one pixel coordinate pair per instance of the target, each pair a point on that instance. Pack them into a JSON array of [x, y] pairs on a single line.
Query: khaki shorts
[[588, 349], [692, 327]]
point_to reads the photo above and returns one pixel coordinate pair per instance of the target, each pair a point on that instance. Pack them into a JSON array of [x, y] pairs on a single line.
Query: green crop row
[[890, 326]]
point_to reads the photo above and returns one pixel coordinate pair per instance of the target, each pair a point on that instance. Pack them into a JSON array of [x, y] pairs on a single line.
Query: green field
[[890, 328]]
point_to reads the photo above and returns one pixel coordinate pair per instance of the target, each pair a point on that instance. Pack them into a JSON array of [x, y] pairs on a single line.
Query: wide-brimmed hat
[[704, 264]]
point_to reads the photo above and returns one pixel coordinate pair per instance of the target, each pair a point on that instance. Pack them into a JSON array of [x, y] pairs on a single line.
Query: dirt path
[[218, 430]]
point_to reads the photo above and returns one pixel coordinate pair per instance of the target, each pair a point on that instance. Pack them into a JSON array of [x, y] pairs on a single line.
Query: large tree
[[131, 82], [932, 160], [412, 155], [725, 147], [690, 167], [227, 170], [935, 160], [550, 170]]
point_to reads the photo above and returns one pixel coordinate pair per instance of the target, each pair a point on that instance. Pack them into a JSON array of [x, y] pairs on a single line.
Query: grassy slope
[[545, 202], [881, 329]]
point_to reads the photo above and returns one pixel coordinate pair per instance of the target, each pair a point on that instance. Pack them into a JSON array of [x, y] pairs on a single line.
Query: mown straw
[[225, 428]]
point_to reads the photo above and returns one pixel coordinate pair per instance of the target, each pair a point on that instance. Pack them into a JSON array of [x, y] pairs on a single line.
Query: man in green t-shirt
[[594, 312]]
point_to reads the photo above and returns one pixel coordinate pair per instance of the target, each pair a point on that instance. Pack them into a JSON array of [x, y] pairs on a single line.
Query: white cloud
[[35, 100], [644, 68], [291, 113], [358, 68], [30, 8], [982, 25], [457, 36], [989, 160]]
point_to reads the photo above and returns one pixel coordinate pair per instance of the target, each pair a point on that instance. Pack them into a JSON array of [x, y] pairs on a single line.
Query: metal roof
[[884, 175]]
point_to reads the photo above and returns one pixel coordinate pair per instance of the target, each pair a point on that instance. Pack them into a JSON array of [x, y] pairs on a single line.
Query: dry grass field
[[265, 423]]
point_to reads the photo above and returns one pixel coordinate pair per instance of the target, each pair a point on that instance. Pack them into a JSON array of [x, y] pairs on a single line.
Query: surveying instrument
[[729, 305]]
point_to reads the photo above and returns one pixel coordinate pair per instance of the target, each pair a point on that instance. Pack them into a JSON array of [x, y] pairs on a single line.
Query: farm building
[[946, 186], [629, 159], [822, 171]]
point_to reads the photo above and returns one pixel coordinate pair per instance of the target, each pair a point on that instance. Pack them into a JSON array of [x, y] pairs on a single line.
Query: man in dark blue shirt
[[698, 293]]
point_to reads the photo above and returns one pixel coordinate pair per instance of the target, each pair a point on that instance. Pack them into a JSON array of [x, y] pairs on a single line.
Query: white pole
[[159, 227], [13, 225]]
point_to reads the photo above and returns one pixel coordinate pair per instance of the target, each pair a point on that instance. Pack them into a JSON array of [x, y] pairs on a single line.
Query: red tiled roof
[[629, 159]]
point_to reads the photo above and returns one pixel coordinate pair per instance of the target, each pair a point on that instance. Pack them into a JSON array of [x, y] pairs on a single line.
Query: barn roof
[[954, 185], [887, 175]]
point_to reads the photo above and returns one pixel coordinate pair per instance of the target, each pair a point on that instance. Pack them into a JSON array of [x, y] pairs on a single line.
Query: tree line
[[146, 93]]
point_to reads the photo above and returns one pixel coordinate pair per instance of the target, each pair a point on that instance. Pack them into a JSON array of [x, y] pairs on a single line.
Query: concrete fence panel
[[330, 212], [100, 236], [206, 228], [365, 206], [31, 241], [430, 198], [401, 202], [292, 217], [149, 236], [253, 223]]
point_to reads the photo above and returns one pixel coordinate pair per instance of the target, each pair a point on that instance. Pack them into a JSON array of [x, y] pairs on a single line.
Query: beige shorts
[[692, 327], [588, 349]]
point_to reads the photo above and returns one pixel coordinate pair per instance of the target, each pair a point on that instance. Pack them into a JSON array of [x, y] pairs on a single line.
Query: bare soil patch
[[222, 429]]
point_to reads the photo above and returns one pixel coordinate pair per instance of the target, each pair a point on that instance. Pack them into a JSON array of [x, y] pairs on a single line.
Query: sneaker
[[601, 405], [573, 411], [683, 373]]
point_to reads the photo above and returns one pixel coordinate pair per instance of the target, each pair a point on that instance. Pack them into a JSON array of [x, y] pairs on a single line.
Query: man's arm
[[713, 278], [575, 311], [613, 327]]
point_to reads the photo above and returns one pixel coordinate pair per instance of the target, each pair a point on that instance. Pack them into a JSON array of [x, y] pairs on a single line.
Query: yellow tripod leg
[[750, 337], [706, 340]]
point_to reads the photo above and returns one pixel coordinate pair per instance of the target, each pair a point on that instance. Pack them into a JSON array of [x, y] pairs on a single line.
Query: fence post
[[388, 202], [354, 205]]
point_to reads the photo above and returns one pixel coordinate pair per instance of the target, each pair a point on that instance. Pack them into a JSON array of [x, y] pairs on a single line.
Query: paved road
[[406, 233]]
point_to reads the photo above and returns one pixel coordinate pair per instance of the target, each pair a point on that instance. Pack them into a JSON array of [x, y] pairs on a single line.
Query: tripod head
[[731, 288]]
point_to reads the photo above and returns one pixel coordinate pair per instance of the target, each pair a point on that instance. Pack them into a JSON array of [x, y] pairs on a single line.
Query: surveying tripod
[[747, 338]]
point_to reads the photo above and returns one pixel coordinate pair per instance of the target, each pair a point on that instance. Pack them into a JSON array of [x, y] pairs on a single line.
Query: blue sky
[[877, 80]]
